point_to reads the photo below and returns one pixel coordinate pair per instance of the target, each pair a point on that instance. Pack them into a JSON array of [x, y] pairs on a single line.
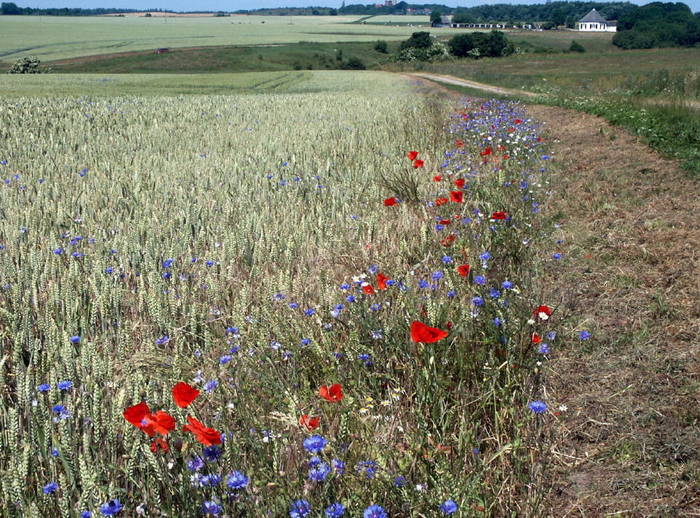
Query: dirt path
[[628, 443], [451, 80]]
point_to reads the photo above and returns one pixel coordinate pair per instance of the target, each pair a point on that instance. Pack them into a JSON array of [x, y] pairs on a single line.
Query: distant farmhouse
[[594, 22], [446, 21]]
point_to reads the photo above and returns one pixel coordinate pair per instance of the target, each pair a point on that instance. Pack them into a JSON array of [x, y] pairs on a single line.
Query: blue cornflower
[[61, 412], [497, 322], [309, 312], [111, 508], [305, 341], [315, 461], [86, 514], [64, 385], [279, 296], [494, 293], [211, 507], [437, 275], [345, 286], [195, 464], [315, 444], [439, 227], [451, 294], [77, 255], [168, 263], [50, 488], [58, 251], [212, 453], [551, 335], [369, 467], [223, 360], [478, 301], [44, 388], [74, 339], [485, 256], [350, 298], [335, 510], [293, 305], [166, 275], [507, 285], [556, 256], [373, 269], [162, 340], [423, 283], [375, 511], [210, 480], [209, 386], [300, 509], [584, 335], [538, 407], [543, 348], [232, 330], [109, 270], [55, 452], [210, 263], [237, 480], [449, 507], [319, 472], [338, 466], [375, 307], [400, 481], [446, 259], [480, 279]]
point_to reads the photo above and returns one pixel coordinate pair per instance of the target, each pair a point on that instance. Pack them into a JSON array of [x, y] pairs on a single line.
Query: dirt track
[[451, 80]]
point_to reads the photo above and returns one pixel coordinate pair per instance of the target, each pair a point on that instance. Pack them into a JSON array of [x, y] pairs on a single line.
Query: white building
[[594, 22]]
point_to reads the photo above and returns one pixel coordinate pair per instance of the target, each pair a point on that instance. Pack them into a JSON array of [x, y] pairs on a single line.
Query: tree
[[461, 44], [9, 8], [381, 46], [418, 40], [435, 17]]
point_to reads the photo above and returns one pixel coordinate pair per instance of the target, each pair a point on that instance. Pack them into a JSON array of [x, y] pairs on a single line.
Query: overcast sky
[[234, 5]]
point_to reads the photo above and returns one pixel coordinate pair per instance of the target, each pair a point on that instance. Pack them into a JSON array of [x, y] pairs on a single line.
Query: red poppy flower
[[184, 394], [499, 215], [207, 436], [445, 222], [368, 289], [412, 155], [381, 281], [390, 202], [437, 178], [543, 312], [159, 423], [136, 414], [441, 201], [459, 183], [448, 240], [457, 196], [310, 423], [463, 269], [506, 157], [517, 121], [536, 339], [159, 444], [459, 143], [511, 130], [426, 334], [334, 393], [418, 163], [486, 151]]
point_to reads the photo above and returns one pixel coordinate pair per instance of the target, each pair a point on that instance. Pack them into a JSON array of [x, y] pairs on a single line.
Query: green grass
[[232, 59], [52, 38]]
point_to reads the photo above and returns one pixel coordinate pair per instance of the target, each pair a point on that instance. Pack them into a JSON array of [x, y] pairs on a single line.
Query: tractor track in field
[[626, 441]]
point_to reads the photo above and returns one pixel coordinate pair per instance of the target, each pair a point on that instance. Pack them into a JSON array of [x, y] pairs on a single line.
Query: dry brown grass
[[628, 444]]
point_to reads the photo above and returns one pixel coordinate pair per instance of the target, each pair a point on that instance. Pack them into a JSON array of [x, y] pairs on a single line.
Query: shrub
[[381, 46], [479, 44], [26, 65], [576, 47], [353, 64]]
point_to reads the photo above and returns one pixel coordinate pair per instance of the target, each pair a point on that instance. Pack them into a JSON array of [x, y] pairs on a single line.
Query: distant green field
[[182, 84], [52, 38], [398, 19]]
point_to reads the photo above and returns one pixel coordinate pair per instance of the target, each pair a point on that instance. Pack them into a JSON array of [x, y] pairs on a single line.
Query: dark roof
[[593, 16]]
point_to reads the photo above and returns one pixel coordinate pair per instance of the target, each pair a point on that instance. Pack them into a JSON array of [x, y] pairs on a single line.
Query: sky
[[234, 5]]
